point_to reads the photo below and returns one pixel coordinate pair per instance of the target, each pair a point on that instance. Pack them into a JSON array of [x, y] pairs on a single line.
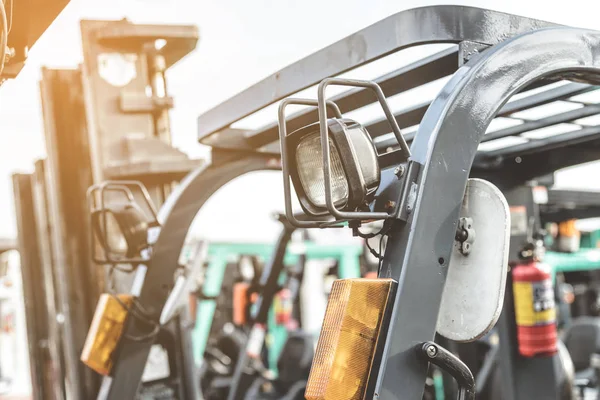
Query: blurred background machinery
[[117, 128]]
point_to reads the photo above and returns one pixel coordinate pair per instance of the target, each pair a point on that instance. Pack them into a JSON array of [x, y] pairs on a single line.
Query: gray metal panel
[[434, 24], [445, 146]]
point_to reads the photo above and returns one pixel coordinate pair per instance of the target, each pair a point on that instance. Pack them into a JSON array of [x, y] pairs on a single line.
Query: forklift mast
[[118, 128]]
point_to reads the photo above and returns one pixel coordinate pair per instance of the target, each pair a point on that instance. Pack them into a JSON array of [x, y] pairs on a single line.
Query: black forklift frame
[[498, 56]]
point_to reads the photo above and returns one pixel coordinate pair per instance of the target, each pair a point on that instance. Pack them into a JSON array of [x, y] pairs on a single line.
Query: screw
[[431, 351], [399, 171], [389, 205]]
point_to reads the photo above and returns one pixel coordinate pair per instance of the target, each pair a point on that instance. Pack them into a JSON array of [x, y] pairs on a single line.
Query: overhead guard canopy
[[551, 124]]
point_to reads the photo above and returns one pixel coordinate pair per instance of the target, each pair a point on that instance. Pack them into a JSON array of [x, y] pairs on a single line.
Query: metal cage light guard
[[321, 103], [99, 191]]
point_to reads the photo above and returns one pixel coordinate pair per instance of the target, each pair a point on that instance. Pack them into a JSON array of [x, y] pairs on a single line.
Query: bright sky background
[[241, 42]]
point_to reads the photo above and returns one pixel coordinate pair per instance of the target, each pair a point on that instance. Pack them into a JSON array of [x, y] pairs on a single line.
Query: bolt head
[[431, 351], [399, 171]]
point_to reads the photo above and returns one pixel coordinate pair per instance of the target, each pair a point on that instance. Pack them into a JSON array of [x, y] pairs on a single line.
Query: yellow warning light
[[356, 312], [105, 332]]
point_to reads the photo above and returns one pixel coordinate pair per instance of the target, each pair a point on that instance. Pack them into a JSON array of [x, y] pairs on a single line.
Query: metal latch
[[465, 234]]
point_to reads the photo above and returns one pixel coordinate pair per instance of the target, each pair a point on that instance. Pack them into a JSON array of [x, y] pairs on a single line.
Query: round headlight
[[114, 237], [355, 173], [309, 160], [126, 233]]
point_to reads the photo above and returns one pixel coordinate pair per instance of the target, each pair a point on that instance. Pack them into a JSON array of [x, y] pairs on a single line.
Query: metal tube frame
[[287, 191], [405, 151]]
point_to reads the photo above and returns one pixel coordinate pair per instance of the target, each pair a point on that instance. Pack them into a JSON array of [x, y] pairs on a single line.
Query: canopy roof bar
[[545, 97], [568, 116], [540, 145], [423, 71], [525, 103], [433, 24]]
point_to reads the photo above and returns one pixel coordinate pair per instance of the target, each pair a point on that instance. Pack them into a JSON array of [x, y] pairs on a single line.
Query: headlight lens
[[353, 162], [309, 159], [366, 155], [115, 238], [126, 233]]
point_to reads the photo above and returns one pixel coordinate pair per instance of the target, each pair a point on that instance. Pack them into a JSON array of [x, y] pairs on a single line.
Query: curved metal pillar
[[445, 147], [176, 217]]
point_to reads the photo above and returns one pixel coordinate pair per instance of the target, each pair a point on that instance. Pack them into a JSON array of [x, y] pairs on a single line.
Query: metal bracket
[[437, 355], [468, 49], [409, 191], [465, 234]]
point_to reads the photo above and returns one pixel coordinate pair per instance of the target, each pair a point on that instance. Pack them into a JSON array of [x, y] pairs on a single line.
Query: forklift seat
[[295, 360], [582, 339]]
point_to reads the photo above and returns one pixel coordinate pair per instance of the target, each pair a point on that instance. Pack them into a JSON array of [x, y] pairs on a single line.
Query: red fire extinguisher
[[283, 305], [535, 309]]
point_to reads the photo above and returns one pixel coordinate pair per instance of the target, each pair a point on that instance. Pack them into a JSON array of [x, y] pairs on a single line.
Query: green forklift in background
[[251, 338]]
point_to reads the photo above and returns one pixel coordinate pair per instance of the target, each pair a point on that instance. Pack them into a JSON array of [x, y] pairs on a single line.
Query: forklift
[[452, 197]]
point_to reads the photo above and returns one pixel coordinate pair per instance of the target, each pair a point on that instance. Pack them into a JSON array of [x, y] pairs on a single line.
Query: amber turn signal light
[[105, 332], [349, 348]]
